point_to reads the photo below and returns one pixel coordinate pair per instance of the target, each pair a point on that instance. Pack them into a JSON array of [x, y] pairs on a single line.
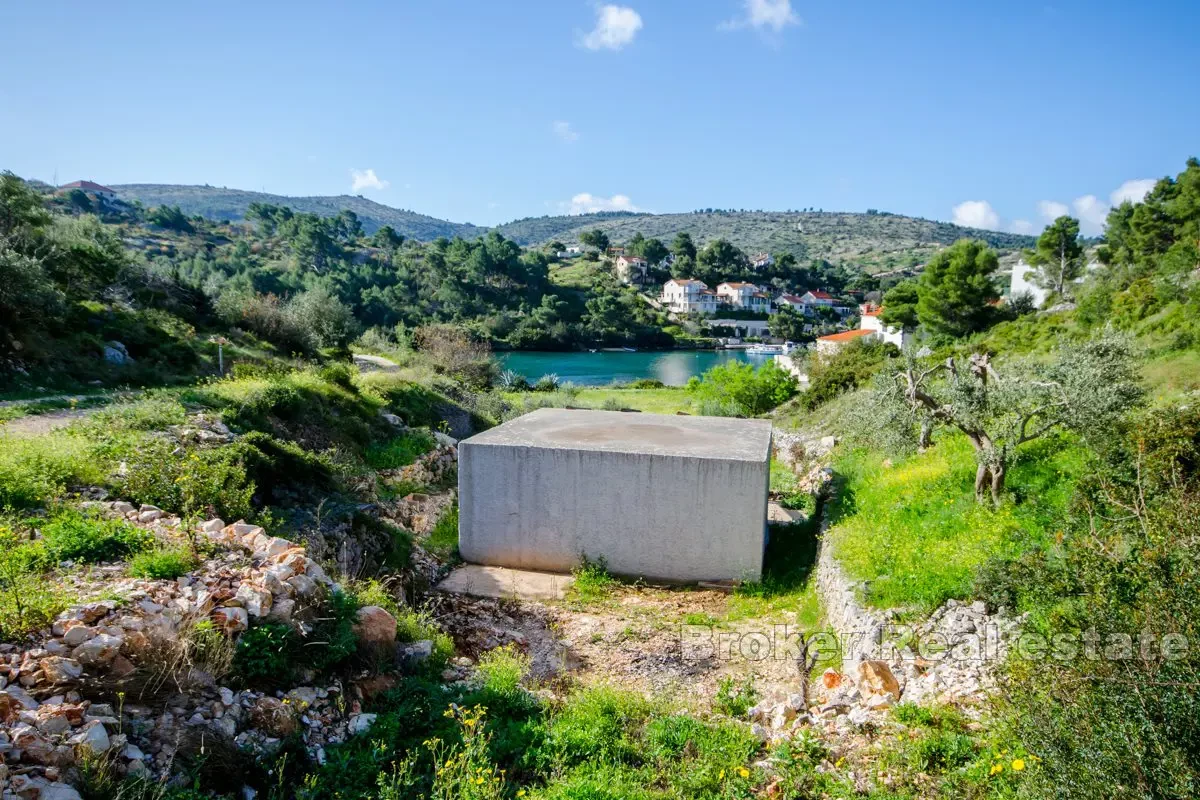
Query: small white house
[[631, 269], [828, 345], [1022, 283], [792, 301], [571, 252], [687, 295], [744, 297], [762, 260], [870, 321]]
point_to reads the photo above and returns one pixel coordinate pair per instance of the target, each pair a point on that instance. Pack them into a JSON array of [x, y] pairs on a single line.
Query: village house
[[631, 269], [762, 260], [687, 295], [571, 252], [89, 187], [870, 321], [792, 301], [744, 297], [831, 344]]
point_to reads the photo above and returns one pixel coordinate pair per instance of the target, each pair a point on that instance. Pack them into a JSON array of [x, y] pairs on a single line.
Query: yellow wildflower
[[745, 773], [995, 769], [721, 775], [1018, 764]]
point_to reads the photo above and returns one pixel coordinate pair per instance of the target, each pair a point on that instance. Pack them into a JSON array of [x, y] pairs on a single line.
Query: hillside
[[217, 203], [877, 241]]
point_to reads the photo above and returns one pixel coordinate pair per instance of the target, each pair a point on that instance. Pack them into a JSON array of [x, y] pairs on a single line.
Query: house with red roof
[[685, 295], [744, 297], [90, 188]]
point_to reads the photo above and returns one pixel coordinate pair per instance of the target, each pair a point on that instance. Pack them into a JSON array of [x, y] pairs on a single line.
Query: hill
[[218, 203], [876, 241]]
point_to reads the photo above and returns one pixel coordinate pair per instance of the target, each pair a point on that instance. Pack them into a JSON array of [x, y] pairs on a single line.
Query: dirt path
[[37, 424], [367, 363], [672, 643]]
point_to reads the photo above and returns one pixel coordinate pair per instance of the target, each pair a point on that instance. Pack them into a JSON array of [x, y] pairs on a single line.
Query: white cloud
[[587, 203], [564, 131], [615, 27], [976, 214], [1050, 210], [366, 179], [1092, 212], [1023, 226], [762, 14], [1134, 191]]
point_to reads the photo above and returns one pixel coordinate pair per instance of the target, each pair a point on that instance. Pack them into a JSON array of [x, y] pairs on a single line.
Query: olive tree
[[1085, 388]]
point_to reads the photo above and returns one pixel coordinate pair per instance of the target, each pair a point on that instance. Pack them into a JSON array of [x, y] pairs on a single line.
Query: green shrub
[[849, 368], [35, 470], [413, 625], [332, 642], [940, 751], [202, 482], [74, 536], [737, 389], [502, 669], [166, 564], [28, 601], [735, 698], [593, 582], [266, 655]]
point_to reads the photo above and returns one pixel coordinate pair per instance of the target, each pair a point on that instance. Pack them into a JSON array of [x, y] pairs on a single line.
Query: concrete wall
[[665, 498]]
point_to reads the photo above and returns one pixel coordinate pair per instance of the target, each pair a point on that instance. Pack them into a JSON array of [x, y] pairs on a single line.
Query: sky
[[999, 114]]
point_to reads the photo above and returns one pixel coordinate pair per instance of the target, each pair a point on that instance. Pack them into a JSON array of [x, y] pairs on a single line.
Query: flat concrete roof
[[721, 438]]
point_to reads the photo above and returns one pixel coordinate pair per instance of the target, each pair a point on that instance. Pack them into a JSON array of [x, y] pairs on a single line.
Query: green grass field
[[667, 400], [913, 530]]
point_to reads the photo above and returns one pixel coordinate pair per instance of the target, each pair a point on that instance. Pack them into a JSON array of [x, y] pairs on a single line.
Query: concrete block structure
[[669, 498]]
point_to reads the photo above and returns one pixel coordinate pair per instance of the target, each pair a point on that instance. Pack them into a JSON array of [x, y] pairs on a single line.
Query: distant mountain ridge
[[218, 203], [877, 241]]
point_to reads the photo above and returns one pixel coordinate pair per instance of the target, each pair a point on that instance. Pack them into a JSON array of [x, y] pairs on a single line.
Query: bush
[[736, 389], [167, 564], [849, 368], [28, 601], [265, 655], [204, 482], [73, 536], [35, 470]]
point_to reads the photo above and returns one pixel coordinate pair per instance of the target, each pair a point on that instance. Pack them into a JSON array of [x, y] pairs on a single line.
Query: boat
[[772, 349]]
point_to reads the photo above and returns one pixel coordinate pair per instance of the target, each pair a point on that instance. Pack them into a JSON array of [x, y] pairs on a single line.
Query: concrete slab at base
[[502, 582], [675, 499]]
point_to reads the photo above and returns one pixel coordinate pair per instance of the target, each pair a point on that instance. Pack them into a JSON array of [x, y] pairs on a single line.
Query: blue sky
[[992, 113]]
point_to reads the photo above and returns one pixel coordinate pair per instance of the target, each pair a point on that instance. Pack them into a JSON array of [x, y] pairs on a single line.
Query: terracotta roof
[[632, 258], [739, 285], [87, 186], [687, 282], [845, 336], [871, 310], [821, 295], [790, 298]]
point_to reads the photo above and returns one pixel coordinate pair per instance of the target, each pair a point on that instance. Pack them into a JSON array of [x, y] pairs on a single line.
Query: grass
[[785, 484], [74, 536], [914, 532], [400, 451], [665, 400], [593, 583], [786, 586], [443, 539], [162, 564]]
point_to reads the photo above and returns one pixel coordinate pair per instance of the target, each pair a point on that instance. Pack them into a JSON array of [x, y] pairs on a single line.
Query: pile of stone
[[46, 724], [202, 429], [948, 659], [432, 469]]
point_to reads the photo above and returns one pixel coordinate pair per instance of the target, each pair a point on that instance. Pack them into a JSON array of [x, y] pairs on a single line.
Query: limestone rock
[[231, 619], [92, 738], [98, 651], [360, 723], [375, 629], [875, 677], [61, 670]]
